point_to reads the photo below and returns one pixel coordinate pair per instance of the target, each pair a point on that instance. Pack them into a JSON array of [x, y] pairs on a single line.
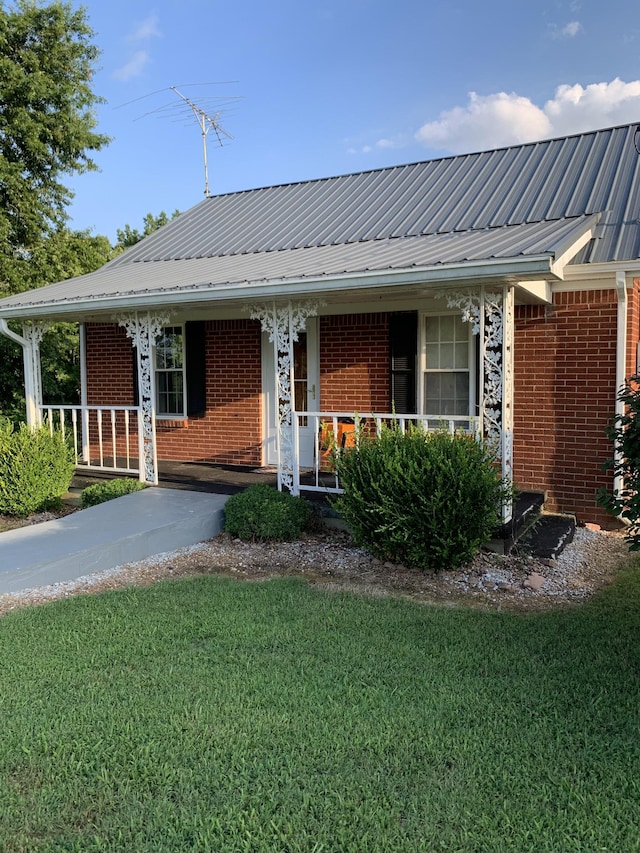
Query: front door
[[306, 389]]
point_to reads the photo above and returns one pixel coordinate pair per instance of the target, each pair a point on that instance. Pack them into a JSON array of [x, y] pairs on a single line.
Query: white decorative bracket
[[283, 323], [143, 330]]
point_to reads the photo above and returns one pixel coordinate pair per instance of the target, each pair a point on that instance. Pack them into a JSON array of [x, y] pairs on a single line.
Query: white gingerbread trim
[[143, 330], [283, 323], [491, 312]]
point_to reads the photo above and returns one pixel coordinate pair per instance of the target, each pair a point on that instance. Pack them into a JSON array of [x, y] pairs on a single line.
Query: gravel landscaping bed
[[330, 559]]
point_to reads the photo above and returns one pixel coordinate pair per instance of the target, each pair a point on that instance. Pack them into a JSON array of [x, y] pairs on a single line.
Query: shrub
[[262, 512], [625, 432], [427, 500], [36, 467], [98, 493]]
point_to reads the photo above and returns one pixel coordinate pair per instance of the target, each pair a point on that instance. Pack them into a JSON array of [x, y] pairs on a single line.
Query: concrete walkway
[[120, 531]]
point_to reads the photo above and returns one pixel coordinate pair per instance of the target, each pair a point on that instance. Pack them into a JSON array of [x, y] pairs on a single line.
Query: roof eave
[[510, 270]]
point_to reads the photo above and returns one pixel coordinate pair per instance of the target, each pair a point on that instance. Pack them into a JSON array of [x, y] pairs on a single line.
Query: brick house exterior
[[501, 287]]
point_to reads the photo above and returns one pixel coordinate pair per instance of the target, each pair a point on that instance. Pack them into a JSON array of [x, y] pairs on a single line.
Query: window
[[170, 372], [446, 366]]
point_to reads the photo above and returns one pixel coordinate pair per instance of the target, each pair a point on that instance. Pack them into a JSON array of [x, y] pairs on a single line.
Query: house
[[495, 292]]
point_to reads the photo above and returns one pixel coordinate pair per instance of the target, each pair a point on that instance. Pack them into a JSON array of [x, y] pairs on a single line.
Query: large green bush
[[98, 493], [263, 513], [428, 500], [36, 467]]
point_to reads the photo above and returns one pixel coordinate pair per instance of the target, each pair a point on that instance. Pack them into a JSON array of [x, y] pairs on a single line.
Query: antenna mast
[[206, 123]]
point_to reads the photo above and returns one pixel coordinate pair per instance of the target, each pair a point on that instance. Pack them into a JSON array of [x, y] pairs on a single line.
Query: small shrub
[[427, 500], [98, 493], [625, 433], [263, 513], [36, 467]]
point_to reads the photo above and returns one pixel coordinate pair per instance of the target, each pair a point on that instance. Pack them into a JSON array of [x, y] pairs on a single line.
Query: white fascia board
[[539, 292], [567, 252], [608, 271], [509, 269]]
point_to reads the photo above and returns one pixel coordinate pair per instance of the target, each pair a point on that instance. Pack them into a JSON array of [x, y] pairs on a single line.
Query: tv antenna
[[206, 123], [206, 120]]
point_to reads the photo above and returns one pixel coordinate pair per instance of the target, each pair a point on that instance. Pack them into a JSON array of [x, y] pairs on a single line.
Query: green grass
[[211, 714]]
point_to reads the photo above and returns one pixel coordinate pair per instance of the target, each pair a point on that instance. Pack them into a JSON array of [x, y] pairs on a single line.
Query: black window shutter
[[136, 386], [403, 343], [195, 335]]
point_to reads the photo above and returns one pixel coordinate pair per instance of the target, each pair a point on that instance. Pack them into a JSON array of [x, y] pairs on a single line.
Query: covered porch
[[299, 440]]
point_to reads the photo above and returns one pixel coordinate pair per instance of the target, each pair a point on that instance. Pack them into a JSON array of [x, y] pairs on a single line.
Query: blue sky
[[310, 90]]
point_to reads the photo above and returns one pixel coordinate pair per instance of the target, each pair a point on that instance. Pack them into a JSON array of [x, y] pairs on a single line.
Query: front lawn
[[212, 714]]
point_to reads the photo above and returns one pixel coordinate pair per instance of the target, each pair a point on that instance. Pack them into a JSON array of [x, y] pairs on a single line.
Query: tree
[[47, 125], [63, 255], [129, 236]]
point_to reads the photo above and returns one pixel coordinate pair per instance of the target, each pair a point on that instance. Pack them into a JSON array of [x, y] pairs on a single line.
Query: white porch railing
[[337, 427], [104, 438]]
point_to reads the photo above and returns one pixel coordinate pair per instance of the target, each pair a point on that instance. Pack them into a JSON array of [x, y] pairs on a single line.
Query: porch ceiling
[[524, 252]]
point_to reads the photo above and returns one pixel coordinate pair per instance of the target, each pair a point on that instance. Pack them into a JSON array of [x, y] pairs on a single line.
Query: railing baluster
[[113, 438], [79, 420], [74, 427], [126, 437], [100, 447]]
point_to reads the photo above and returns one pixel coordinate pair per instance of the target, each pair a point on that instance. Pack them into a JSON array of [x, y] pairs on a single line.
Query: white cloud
[[134, 67], [141, 35], [145, 30], [500, 119], [571, 29]]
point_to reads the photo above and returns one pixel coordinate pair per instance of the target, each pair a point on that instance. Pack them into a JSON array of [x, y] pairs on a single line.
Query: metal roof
[[526, 201], [536, 243], [540, 181]]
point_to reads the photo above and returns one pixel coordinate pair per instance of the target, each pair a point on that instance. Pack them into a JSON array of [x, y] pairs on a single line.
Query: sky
[[305, 90]]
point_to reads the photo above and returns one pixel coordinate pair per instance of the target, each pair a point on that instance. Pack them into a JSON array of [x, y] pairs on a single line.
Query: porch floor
[[207, 477]]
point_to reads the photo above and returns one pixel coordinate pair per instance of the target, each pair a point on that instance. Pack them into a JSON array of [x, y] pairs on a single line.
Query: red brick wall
[[354, 363], [230, 432], [109, 365], [565, 375]]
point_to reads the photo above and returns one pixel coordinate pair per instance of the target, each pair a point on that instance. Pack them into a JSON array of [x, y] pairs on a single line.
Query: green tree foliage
[[47, 125], [47, 132], [625, 433], [129, 236], [63, 255], [428, 500]]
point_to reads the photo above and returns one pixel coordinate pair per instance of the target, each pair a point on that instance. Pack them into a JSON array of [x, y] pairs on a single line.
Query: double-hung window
[[446, 366], [169, 363]]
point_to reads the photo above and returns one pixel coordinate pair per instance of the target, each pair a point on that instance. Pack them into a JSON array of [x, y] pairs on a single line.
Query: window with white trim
[[446, 366], [169, 365]]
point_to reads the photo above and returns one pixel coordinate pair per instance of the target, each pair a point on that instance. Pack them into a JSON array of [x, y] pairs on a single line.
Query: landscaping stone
[[535, 581]]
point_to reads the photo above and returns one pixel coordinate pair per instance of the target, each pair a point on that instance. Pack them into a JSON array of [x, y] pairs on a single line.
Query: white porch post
[[32, 334], [492, 313], [283, 323], [143, 330]]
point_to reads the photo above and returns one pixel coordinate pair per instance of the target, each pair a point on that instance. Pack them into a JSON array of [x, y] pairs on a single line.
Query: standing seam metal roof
[[536, 182]]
